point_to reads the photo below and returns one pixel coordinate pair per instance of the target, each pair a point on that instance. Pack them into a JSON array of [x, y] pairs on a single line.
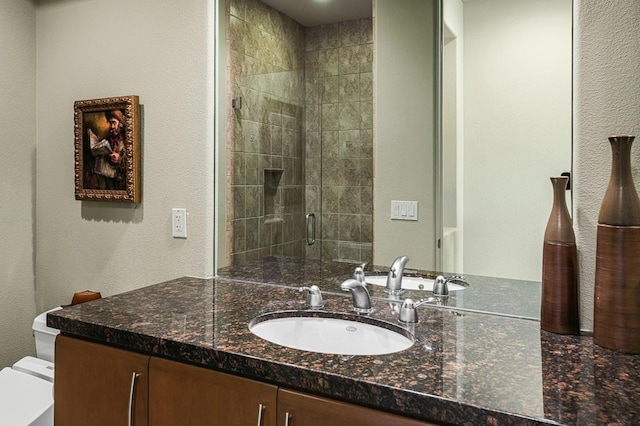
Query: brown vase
[[616, 316], [621, 204], [559, 306]]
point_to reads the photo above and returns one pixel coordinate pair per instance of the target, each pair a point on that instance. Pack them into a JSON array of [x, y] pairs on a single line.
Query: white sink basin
[[410, 283], [331, 333]]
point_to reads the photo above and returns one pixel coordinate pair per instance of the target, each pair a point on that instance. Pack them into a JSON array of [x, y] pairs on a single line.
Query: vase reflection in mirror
[[559, 307], [616, 317]]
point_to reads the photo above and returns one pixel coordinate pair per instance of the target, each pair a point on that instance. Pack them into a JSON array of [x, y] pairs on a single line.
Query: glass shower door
[[340, 136], [266, 179], [299, 137]]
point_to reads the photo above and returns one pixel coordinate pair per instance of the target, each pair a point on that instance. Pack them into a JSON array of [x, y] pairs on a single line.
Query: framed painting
[[107, 149]]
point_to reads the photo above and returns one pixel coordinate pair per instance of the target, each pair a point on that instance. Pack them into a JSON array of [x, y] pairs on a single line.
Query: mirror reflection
[[509, 113], [326, 124]]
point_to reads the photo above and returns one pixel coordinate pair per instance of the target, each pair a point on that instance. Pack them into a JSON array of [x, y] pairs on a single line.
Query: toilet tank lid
[[23, 398], [36, 367], [40, 323]]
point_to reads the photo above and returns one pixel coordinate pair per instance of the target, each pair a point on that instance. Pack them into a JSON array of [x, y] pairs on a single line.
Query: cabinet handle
[[132, 391], [260, 409], [287, 417]]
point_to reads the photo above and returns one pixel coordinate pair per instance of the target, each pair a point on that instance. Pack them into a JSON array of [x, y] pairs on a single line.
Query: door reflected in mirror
[[507, 119]]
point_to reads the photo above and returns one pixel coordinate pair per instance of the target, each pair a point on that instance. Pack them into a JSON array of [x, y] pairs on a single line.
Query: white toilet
[[26, 389]]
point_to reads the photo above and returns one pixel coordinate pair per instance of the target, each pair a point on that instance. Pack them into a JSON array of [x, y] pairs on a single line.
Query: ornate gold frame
[[88, 185]]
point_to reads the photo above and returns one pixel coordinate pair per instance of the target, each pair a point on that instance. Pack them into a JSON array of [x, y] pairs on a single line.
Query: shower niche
[[272, 195]]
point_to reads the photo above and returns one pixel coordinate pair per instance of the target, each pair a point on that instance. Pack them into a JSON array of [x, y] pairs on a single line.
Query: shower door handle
[[311, 229]]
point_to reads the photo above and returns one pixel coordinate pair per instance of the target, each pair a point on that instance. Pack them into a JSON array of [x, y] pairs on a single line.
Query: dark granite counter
[[466, 367], [499, 296]]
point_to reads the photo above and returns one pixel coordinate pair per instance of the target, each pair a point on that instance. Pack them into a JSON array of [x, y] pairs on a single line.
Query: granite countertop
[[466, 367], [499, 296]]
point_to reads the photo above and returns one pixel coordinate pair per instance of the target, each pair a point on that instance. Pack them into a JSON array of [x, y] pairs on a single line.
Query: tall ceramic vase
[[616, 321], [559, 307]]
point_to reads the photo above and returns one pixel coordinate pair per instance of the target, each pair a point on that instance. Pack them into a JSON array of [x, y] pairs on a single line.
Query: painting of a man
[[107, 149], [107, 160]]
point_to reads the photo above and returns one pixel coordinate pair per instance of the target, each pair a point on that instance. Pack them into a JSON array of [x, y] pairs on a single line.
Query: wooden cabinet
[[181, 394], [299, 409], [99, 385], [189, 395]]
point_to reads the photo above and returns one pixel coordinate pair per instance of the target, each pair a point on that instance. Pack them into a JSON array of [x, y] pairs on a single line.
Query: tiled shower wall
[[339, 118], [307, 114], [265, 67]]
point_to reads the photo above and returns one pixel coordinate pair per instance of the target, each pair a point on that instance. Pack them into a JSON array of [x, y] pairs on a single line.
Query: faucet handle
[[457, 278], [408, 313], [440, 286], [314, 296], [358, 273]]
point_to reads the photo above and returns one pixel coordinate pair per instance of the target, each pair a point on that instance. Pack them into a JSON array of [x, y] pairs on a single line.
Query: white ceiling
[[316, 12]]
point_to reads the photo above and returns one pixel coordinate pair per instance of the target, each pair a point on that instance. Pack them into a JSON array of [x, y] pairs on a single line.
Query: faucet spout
[[360, 295], [394, 278]]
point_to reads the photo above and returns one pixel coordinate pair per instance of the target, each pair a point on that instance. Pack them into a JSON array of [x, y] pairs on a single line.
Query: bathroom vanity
[[189, 342], [165, 392]]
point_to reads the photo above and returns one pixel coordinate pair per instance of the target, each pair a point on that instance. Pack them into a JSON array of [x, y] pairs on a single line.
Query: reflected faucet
[[358, 273], [441, 284], [394, 278], [361, 300], [409, 314]]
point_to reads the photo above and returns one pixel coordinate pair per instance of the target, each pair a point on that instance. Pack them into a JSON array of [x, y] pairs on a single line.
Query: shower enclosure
[[299, 143]]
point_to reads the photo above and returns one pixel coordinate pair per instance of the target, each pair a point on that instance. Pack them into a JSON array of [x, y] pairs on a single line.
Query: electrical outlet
[[179, 223]]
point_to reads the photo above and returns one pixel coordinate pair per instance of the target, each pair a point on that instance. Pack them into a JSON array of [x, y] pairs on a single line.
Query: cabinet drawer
[[299, 409], [188, 395]]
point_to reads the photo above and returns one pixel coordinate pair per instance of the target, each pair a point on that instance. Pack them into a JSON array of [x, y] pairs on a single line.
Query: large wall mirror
[[358, 131]]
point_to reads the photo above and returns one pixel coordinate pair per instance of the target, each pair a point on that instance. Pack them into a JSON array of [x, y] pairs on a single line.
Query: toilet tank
[[45, 336]]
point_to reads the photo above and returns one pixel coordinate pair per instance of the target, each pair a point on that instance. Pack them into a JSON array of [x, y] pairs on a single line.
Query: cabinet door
[[97, 385], [298, 409], [182, 394]]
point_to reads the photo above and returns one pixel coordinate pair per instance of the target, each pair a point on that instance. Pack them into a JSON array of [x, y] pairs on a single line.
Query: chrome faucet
[[394, 278], [409, 314], [314, 297], [441, 284], [358, 273], [360, 295]]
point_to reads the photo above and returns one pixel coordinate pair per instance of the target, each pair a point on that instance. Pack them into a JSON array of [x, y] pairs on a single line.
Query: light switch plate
[[404, 210]]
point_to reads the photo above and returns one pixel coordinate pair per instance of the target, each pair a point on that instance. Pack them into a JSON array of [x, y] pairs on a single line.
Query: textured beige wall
[[607, 101], [517, 130], [403, 157], [161, 51], [17, 178]]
